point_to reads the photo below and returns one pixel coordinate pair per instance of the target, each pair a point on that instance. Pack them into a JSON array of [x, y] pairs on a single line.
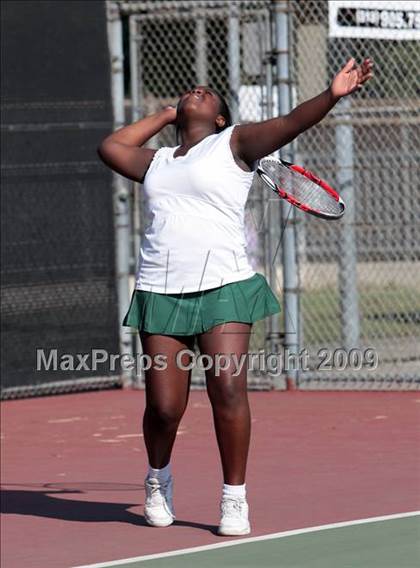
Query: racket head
[[301, 188]]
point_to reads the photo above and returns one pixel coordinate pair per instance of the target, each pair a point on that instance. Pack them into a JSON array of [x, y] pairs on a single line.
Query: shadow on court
[[39, 503]]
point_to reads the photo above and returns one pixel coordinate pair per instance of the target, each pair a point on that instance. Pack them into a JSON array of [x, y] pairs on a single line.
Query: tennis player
[[194, 281]]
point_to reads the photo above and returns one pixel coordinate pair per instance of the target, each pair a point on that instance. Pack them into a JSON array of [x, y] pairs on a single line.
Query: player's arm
[[122, 151], [253, 141]]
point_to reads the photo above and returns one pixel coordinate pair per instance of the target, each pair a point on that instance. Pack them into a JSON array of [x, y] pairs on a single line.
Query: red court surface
[[73, 468]]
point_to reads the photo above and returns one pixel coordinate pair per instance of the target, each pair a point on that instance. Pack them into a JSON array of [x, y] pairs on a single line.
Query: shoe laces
[[232, 506], [158, 492]]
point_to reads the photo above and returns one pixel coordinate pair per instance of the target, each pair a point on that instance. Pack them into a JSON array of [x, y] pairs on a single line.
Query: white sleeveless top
[[195, 206]]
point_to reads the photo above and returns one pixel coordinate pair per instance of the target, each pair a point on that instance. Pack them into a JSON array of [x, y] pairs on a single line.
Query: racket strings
[[301, 188]]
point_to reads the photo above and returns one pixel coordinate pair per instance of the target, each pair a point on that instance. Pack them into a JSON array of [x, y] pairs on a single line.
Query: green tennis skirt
[[196, 312]]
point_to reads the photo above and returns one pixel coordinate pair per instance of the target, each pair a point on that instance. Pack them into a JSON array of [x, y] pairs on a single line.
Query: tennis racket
[[301, 188]]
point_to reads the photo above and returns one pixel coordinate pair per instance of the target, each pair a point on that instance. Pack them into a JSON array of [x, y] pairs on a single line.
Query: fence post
[[272, 323], [347, 258], [234, 60], [201, 43], [271, 211], [121, 193], [290, 267], [136, 114]]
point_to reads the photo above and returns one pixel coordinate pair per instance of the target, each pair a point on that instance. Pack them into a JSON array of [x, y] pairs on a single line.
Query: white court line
[[251, 539]]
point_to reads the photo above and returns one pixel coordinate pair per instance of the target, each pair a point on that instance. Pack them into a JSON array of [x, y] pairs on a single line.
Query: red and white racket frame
[[312, 177]]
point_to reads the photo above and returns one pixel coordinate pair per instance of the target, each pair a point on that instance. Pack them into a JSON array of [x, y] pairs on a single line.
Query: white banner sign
[[374, 19]]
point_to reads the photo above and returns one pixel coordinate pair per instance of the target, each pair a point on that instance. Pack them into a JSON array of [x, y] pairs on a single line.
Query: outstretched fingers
[[364, 72]]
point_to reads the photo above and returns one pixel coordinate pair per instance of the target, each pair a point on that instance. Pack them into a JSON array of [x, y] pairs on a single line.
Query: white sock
[[162, 474], [234, 490]]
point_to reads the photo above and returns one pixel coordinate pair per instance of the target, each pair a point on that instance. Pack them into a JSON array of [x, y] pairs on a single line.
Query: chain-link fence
[[359, 278]]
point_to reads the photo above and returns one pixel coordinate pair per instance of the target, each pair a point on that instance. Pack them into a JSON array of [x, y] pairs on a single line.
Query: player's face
[[200, 101]]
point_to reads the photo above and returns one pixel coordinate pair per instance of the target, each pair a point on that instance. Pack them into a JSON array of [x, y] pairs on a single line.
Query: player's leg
[[228, 396], [227, 390], [167, 391]]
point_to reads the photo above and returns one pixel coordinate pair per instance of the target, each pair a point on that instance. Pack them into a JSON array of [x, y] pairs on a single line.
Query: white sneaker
[[158, 508], [234, 521]]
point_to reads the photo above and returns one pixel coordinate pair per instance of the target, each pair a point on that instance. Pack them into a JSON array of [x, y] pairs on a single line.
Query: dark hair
[[223, 110]]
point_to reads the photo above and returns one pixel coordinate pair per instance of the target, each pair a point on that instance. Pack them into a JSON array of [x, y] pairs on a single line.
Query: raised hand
[[170, 112], [351, 77]]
